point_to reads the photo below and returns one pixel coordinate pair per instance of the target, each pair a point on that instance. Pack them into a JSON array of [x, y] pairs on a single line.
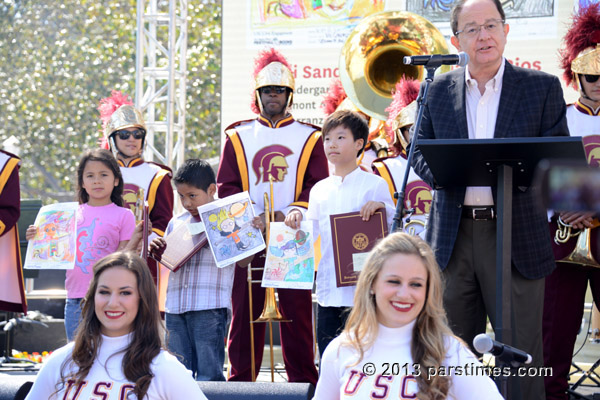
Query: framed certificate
[[352, 239], [182, 243]]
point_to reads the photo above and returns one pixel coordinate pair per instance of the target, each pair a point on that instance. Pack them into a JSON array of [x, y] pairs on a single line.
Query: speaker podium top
[[475, 162]]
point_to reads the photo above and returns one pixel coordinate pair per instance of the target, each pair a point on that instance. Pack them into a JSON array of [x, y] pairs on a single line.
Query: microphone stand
[[433, 64], [505, 361]]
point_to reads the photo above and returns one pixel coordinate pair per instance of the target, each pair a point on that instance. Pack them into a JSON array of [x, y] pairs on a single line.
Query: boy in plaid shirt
[[198, 305]]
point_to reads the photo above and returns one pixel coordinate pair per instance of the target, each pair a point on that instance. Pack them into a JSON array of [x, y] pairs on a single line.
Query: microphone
[[484, 344], [435, 60]]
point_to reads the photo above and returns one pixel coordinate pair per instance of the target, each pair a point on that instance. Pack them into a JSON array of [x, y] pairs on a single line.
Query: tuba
[[582, 253], [372, 59]]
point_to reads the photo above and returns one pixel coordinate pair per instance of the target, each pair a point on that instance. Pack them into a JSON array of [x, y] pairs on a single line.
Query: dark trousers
[[330, 323], [563, 312], [296, 336], [470, 296]]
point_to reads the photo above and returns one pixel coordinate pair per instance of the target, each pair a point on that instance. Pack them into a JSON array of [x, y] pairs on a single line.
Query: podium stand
[[505, 163]]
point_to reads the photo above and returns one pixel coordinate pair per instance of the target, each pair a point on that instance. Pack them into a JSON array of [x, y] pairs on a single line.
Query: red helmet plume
[[406, 92], [107, 107], [278, 73], [584, 33], [266, 57], [334, 97]]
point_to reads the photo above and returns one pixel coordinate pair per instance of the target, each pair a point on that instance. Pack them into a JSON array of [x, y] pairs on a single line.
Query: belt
[[479, 213]]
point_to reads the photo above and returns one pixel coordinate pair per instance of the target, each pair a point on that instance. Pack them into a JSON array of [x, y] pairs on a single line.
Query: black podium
[[505, 163]]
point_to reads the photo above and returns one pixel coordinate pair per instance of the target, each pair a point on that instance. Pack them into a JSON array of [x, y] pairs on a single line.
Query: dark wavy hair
[[145, 342], [105, 157]]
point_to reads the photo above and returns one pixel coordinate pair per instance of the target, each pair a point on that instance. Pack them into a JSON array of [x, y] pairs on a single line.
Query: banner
[[310, 33]]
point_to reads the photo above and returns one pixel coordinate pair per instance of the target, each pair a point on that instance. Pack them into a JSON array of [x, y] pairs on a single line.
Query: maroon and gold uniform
[[291, 152], [12, 290], [566, 287], [564, 296], [155, 179], [274, 147], [118, 113], [418, 194]]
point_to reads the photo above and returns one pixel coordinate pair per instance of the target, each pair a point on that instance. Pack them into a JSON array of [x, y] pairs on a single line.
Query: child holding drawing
[[348, 189], [198, 303], [103, 226]]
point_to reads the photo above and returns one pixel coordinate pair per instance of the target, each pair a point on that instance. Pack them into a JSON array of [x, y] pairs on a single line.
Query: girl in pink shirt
[[103, 226]]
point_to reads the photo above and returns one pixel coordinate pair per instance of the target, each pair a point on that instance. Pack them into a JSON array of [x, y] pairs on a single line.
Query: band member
[[125, 135], [418, 194], [377, 145], [275, 146], [566, 286], [12, 291], [490, 98]]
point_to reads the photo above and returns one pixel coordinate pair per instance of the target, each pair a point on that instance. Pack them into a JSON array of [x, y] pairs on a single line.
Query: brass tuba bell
[[372, 59]]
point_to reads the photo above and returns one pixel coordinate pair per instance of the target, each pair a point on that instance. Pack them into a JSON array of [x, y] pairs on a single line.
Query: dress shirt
[[334, 195], [482, 111]]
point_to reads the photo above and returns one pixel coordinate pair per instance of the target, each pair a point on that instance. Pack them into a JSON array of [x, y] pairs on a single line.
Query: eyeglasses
[[273, 89], [491, 26], [137, 134], [591, 78]]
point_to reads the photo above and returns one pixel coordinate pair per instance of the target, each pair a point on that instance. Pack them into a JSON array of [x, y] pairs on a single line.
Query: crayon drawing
[[229, 230], [54, 246], [303, 13], [290, 257]]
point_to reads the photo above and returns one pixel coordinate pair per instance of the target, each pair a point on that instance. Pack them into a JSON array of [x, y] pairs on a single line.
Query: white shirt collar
[[338, 180], [495, 83]]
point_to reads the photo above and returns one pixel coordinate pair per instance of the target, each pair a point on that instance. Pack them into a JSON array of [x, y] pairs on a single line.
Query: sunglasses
[[137, 134], [273, 89], [591, 78]]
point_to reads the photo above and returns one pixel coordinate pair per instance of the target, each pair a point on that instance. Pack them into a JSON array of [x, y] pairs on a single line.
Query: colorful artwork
[[439, 10], [290, 257], [54, 246], [229, 229], [303, 13]]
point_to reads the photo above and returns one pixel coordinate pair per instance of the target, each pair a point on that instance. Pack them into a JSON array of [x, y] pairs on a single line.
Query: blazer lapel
[[456, 91], [509, 102]]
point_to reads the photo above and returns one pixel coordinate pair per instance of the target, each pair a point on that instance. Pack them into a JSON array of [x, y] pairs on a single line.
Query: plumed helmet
[[271, 69], [336, 99], [124, 117], [274, 74], [117, 112], [403, 108], [581, 54]]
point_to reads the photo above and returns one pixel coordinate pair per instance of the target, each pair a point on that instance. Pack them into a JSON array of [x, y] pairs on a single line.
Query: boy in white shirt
[[348, 189]]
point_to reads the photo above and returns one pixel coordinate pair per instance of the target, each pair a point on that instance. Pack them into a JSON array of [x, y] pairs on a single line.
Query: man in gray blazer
[[490, 98]]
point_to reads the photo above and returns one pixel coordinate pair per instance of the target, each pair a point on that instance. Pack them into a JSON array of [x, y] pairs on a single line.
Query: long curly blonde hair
[[428, 347]]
